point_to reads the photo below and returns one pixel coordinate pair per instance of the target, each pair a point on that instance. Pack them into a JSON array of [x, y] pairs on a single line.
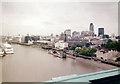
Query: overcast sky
[[45, 18]]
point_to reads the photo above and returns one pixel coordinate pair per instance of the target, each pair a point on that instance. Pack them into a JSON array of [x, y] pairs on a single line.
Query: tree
[[78, 45], [92, 50], [73, 47], [113, 46], [103, 45], [87, 44], [118, 46], [77, 50], [86, 51], [108, 43]]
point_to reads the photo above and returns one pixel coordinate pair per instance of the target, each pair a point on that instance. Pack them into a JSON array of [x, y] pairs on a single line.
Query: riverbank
[[98, 60], [108, 62], [92, 63]]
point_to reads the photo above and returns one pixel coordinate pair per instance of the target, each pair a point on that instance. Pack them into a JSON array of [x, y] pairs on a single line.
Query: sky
[[44, 18]]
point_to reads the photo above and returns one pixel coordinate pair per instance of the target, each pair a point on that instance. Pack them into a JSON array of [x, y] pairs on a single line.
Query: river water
[[29, 64]]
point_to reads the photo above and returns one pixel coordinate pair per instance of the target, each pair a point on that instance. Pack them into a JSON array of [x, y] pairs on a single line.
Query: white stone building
[[18, 39], [61, 44]]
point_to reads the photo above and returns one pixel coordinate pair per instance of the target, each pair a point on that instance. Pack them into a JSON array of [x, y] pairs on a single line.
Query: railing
[[87, 77]]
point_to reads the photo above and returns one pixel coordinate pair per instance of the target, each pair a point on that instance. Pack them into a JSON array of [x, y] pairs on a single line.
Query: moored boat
[[57, 54], [8, 48]]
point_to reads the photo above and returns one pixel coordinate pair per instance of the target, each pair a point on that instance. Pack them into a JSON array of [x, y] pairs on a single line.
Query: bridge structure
[[102, 77]]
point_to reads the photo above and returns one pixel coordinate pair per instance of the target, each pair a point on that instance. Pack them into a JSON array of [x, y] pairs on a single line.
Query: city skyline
[[46, 18], [59, 41]]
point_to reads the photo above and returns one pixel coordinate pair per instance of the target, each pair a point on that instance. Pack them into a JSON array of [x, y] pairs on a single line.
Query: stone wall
[[110, 55]]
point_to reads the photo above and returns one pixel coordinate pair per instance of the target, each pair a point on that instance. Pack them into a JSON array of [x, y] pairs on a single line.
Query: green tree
[[118, 46], [77, 50], [113, 46], [73, 47], [108, 43], [86, 51], [103, 45], [78, 45], [92, 50], [87, 44]]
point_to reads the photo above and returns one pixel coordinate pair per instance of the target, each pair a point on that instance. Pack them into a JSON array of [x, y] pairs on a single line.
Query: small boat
[[8, 48], [57, 54], [54, 55]]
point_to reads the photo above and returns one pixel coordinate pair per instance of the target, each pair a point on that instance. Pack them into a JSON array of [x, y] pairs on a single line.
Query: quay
[[96, 59]]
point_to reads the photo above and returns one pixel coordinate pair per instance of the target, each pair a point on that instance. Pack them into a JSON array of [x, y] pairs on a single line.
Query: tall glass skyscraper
[[100, 31]]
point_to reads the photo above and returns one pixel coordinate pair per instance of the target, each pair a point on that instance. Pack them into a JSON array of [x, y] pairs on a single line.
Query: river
[[29, 64]]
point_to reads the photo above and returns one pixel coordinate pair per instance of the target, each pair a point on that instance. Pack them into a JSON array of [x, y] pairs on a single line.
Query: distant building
[[73, 43], [90, 32], [51, 35], [118, 37], [31, 38], [75, 34], [68, 32], [100, 31], [27, 38], [35, 38], [106, 36], [87, 33], [61, 44], [91, 27], [17, 39], [63, 37], [98, 41]]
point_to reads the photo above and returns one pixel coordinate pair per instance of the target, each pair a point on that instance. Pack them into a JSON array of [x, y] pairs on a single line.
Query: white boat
[[2, 52], [57, 54], [8, 48]]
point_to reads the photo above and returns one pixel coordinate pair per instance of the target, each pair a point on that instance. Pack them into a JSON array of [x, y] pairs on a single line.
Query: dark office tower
[[100, 31], [91, 27], [63, 37], [65, 40]]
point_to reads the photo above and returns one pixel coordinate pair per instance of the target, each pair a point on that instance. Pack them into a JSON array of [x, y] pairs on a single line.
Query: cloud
[[47, 18]]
